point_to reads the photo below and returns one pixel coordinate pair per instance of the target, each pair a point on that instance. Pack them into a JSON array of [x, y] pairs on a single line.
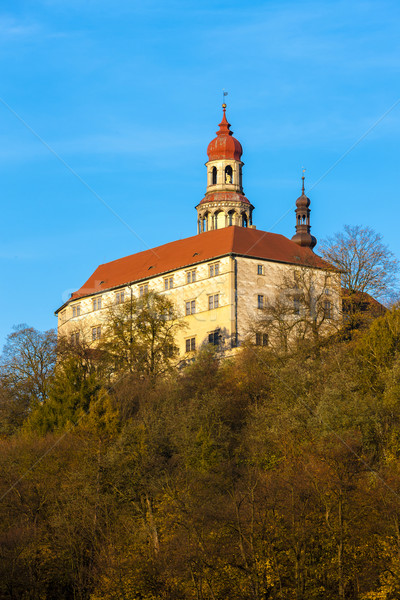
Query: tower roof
[[224, 145], [303, 201], [303, 235]]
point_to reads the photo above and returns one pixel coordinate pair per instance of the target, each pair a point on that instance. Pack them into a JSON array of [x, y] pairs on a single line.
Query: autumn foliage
[[265, 476]]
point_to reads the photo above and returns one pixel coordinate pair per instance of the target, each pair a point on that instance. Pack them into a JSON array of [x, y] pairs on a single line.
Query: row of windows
[[190, 305], [227, 174], [96, 335], [144, 289], [214, 270], [214, 338], [213, 302], [297, 304]]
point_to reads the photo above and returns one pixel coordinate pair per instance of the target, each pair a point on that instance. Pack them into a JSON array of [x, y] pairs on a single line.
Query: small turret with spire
[[303, 236]]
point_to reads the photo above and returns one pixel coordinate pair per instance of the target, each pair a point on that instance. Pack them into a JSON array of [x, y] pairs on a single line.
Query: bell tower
[[224, 203], [303, 236]]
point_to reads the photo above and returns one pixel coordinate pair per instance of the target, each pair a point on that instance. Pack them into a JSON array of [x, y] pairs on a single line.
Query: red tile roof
[[224, 145], [196, 249]]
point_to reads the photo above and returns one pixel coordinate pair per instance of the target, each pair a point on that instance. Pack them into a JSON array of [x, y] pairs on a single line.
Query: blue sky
[[127, 94]]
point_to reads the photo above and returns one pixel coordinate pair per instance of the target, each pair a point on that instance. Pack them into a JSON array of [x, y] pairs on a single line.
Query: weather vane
[[224, 93]]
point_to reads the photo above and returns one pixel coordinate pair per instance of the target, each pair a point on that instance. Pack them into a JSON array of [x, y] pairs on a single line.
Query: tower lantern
[[224, 203]]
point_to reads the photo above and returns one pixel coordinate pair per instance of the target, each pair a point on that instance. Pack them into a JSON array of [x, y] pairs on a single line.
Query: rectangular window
[[96, 303], [191, 344], [168, 283], [213, 301], [62, 316], [96, 333], [214, 337], [296, 305], [119, 297], [260, 301], [328, 309], [75, 338], [76, 310], [143, 289], [214, 269], [261, 339], [260, 269], [190, 306], [191, 276]]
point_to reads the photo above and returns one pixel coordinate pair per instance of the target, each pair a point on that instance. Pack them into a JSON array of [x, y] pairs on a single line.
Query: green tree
[[140, 336], [74, 388]]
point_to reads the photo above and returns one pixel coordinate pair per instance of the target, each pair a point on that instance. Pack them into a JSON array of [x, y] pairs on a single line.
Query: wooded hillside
[[266, 476]]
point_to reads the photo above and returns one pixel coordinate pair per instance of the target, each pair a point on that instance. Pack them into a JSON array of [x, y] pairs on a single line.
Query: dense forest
[[268, 475]]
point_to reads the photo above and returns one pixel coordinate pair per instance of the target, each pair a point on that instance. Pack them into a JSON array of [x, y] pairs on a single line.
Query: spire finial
[[224, 93], [224, 126], [302, 181]]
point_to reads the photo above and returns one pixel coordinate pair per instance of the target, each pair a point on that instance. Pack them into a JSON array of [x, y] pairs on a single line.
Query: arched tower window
[[214, 175], [244, 220], [228, 174]]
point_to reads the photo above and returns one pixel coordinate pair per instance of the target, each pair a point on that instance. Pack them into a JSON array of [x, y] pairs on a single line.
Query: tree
[[139, 336], [27, 363], [74, 389], [366, 263], [304, 307]]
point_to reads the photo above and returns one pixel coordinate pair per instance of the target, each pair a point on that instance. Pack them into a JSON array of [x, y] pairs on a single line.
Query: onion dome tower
[[303, 237], [224, 203]]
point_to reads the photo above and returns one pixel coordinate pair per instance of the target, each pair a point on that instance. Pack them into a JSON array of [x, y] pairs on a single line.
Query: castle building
[[220, 279]]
